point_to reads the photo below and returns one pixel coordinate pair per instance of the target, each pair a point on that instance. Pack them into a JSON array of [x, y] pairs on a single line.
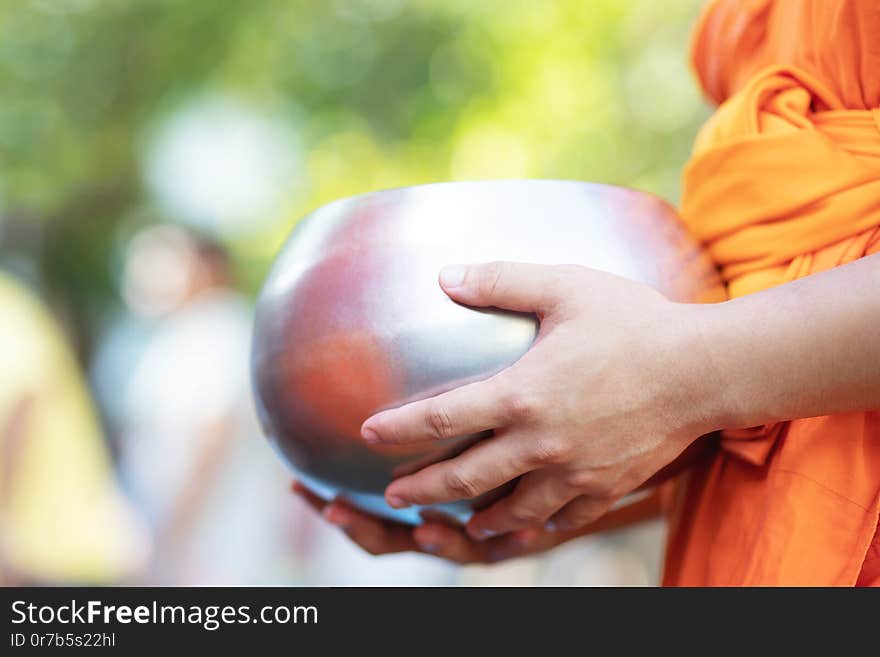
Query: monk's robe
[[784, 181]]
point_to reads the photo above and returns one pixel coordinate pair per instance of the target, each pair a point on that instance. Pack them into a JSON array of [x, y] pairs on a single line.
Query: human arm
[[622, 380]]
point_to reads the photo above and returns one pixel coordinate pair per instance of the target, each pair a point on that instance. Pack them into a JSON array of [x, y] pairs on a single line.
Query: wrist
[[716, 388]]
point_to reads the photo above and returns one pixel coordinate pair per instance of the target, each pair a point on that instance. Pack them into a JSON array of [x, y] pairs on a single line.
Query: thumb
[[510, 285]]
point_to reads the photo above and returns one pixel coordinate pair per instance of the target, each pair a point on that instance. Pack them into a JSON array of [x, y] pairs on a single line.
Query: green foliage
[[380, 93]]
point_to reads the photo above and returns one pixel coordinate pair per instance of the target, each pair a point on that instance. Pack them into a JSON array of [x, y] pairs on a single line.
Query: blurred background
[[154, 154]]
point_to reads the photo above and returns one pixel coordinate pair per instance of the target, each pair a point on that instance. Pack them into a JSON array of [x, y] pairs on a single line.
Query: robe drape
[[783, 182]]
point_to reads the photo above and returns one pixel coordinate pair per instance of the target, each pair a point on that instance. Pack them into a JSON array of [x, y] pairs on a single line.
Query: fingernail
[[483, 534], [370, 436], [336, 516], [396, 502], [452, 275], [525, 536], [430, 547]]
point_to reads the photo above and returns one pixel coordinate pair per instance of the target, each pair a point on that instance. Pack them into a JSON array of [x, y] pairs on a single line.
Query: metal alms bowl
[[351, 319]]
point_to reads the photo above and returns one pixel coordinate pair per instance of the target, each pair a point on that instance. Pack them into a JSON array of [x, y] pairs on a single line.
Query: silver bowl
[[351, 319]]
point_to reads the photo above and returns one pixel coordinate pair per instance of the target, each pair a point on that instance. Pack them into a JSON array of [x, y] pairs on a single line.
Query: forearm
[[803, 349]]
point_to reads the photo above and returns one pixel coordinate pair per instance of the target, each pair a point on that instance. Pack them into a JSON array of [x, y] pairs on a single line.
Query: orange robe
[[784, 181]]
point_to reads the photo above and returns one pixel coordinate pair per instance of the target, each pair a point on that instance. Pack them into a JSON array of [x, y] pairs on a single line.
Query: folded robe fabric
[[784, 181]]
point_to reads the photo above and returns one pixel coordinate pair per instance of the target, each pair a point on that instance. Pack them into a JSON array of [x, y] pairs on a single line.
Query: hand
[[378, 536], [615, 387]]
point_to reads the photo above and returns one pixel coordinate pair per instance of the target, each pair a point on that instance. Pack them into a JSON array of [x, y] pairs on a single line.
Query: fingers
[[579, 513], [469, 409], [448, 543], [372, 534], [510, 285], [489, 404], [537, 497], [454, 544], [381, 537], [517, 544], [485, 466], [308, 496]]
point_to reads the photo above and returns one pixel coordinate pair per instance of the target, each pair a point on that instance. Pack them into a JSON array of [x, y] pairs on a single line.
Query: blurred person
[[174, 379], [784, 189], [63, 518]]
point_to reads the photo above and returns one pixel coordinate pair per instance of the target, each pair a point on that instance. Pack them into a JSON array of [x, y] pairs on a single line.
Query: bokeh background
[[153, 156]]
